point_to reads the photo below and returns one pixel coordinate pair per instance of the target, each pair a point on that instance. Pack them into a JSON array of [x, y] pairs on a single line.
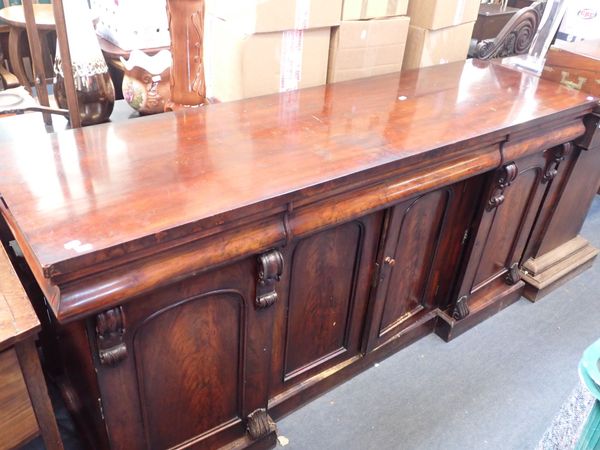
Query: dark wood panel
[[512, 220], [508, 220], [321, 298], [320, 320], [189, 361], [418, 226], [575, 201], [420, 259]]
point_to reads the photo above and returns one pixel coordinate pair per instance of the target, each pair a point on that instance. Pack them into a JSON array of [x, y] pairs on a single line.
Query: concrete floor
[[498, 386]]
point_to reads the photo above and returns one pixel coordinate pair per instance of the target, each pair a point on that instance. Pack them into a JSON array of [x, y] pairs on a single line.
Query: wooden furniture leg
[[15, 38], [36, 385]]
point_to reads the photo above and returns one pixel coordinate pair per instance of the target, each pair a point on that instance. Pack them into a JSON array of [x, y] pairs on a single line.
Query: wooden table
[[25, 409], [210, 270], [14, 16]]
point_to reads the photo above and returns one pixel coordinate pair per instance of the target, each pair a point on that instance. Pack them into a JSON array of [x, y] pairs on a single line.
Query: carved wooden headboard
[[516, 36]]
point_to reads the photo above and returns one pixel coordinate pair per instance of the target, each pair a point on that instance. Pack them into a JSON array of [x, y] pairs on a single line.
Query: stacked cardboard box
[[259, 47], [369, 41], [440, 31]]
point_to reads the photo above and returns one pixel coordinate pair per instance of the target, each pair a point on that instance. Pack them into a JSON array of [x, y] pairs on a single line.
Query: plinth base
[[547, 272]]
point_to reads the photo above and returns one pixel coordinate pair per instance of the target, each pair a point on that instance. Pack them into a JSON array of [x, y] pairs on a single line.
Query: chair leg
[[36, 385], [15, 40]]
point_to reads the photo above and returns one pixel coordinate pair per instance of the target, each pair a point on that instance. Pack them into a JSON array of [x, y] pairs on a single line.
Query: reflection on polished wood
[[244, 257]]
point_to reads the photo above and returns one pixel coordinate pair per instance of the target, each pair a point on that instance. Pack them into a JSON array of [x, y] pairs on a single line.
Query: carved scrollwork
[[508, 175], [260, 424], [516, 36], [461, 309], [270, 268], [110, 329], [559, 155], [513, 275]]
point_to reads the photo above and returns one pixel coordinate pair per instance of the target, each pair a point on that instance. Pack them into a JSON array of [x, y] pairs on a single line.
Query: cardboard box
[[370, 9], [364, 48], [436, 14], [265, 16], [430, 47], [240, 65]]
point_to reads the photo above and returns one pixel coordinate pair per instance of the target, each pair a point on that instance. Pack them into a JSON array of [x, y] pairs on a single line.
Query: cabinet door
[[422, 249], [187, 363], [324, 294], [512, 202]]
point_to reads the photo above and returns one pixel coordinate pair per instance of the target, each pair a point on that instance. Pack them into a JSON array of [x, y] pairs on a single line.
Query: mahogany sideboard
[[205, 272]]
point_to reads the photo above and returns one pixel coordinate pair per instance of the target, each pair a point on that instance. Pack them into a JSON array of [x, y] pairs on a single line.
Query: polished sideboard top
[[82, 198]]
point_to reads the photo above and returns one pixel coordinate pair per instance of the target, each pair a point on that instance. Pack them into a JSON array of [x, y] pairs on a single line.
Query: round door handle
[[389, 261]]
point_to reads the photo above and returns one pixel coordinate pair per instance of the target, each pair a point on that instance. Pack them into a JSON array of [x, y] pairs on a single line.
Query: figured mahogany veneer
[[210, 270]]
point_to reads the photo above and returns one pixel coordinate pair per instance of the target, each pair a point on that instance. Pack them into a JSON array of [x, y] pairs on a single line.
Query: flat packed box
[[240, 65], [364, 48], [370, 9], [430, 47], [436, 14], [265, 16]]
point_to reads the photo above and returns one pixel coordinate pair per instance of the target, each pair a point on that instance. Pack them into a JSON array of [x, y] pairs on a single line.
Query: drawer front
[[17, 420]]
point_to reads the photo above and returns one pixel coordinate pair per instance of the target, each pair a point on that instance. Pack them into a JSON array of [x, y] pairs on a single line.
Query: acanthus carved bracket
[[509, 174], [516, 36], [110, 330], [270, 268], [461, 309], [513, 275], [559, 155], [260, 424]]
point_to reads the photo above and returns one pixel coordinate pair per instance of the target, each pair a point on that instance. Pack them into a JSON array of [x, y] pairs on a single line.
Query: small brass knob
[[389, 261]]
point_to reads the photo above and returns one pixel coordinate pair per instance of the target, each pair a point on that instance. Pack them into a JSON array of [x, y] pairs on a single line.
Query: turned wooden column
[[186, 25]]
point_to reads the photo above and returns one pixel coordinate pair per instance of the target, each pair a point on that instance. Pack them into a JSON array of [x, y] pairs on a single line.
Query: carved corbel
[[270, 268], [509, 174], [110, 329], [559, 155], [260, 424], [513, 275], [461, 309]]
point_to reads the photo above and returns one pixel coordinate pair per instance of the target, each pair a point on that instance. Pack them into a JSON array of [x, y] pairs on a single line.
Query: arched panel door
[[419, 259], [490, 280], [192, 366]]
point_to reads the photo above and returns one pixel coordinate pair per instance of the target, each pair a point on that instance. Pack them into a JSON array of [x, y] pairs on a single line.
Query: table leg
[[36, 385], [15, 38]]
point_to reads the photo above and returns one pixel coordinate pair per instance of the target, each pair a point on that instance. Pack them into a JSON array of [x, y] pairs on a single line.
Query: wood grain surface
[[104, 191], [17, 318]]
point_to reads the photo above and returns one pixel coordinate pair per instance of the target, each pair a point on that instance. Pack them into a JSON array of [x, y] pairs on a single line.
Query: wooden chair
[[516, 36], [13, 18], [35, 45]]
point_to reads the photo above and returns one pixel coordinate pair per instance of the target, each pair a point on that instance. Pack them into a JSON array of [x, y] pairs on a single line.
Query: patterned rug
[[568, 423]]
